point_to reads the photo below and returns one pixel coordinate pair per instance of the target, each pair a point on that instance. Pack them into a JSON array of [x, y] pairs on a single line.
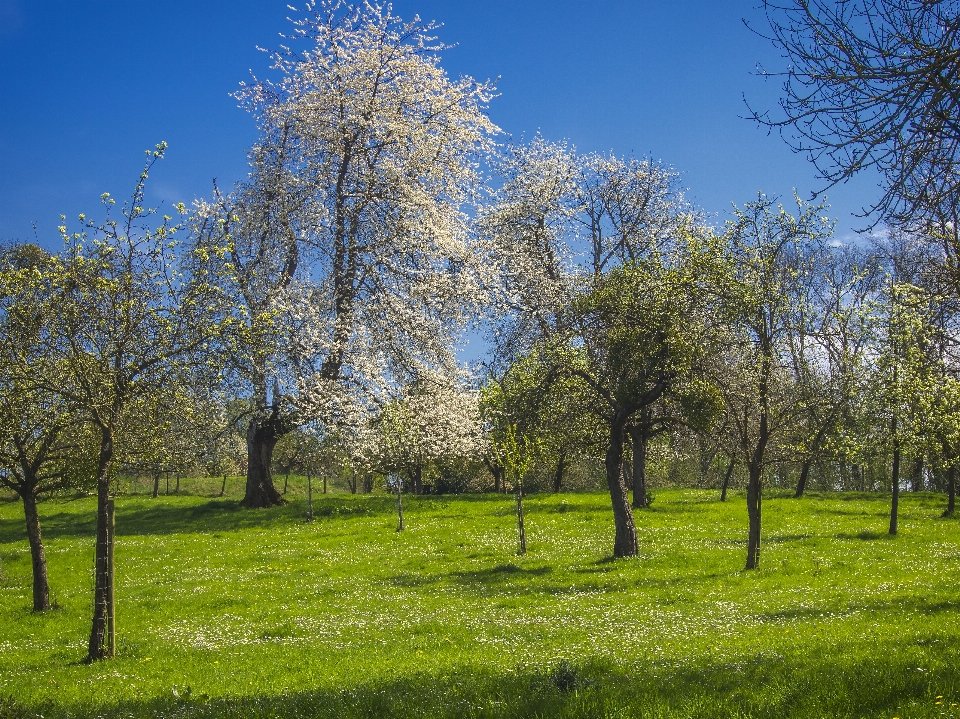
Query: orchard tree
[[435, 417], [558, 225], [768, 251], [45, 446], [560, 415], [640, 336], [123, 319], [368, 154], [516, 453], [830, 359]]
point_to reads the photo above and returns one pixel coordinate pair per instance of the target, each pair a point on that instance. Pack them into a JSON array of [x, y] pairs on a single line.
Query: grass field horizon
[[227, 612]]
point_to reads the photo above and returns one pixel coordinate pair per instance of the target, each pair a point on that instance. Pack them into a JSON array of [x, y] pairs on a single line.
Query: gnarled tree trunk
[[262, 437], [625, 542]]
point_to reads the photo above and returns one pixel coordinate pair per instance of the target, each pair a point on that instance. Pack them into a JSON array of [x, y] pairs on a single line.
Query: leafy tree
[[123, 319], [45, 447], [768, 248], [515, 452], [645, 328], [556, 227], [558, 414], [829, 356]]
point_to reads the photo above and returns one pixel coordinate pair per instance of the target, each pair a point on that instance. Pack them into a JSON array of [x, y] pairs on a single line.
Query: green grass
[[225, 612]]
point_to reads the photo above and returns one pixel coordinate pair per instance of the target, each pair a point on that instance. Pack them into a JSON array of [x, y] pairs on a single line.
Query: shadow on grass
[[867, 535], [783, 538], [891, 607], [499, 575], [146, 516], [759, 686]]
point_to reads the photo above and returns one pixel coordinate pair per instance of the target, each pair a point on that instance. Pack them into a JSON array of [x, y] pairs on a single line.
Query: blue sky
[[86, 87]]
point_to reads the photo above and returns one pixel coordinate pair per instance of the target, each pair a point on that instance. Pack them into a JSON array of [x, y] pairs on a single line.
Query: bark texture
[[97, 648], [262, 437], [726, 480], [639, 445], [41, 589], [802, 482], [625, 542]]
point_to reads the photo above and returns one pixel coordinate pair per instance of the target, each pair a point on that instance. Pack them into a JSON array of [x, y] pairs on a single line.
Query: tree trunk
[[156, 484], [625, 542], [41, 590], [754, 492], [639, 445], [802, 482], [262, 437], [399, 504], [522, 549], [951, 490], [497, 471], [111, 600], [352, 482], [286, 482], [416, 475], [558, 475], [916, 478], [755, 466], [324, 484], [726, 480], [177, 490], [309, 497], [858, 478], [223, 487], [97, 648], [895, 499]]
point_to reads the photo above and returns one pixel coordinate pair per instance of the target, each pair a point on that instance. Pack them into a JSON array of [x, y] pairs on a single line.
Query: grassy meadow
[[226, 612]]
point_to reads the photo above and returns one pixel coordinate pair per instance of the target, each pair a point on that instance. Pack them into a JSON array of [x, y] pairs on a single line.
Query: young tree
[[515, 452], [44, 445], [125, 318], [768, 248]]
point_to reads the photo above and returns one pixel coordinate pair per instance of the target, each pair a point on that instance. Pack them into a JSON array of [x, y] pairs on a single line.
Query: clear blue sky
[[86, 86]]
